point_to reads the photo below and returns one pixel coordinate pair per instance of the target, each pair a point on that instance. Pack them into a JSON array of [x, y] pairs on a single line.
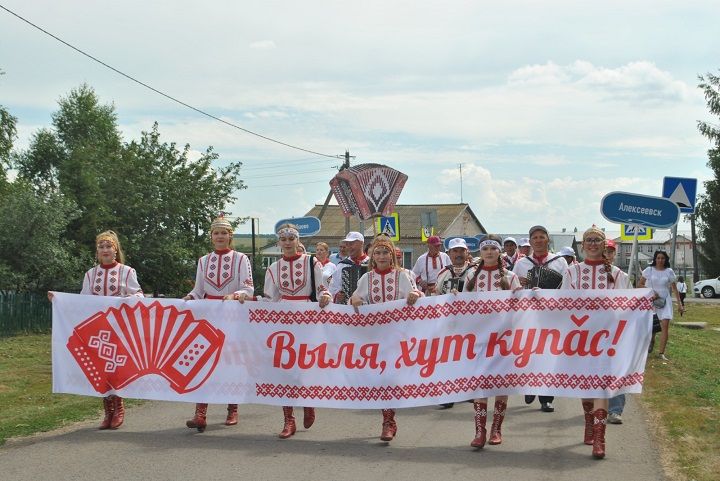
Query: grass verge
[[26, 400], [683, 396]]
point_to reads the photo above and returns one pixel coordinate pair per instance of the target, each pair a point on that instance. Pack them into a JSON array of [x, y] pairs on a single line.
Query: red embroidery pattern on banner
[[459, 307], [451, 386]]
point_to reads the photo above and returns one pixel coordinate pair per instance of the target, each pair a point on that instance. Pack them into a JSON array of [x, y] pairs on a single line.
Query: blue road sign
[[629, 230], [307, 226], [644, 210], [473, 243], [682, 191]]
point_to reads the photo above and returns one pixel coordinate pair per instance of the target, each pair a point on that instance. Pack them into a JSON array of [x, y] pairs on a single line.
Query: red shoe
[[232, 415], [498, 418], [480, 421], [587, 409], [118, 413], [289, 427], [389, 426], [600, 422], [109, 407], [308, 417], [199, 421]]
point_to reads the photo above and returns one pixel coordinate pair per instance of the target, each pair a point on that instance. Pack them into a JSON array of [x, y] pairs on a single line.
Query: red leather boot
[[109, 407], [199, 421], [498, 418], [289, 427], [389, 426], [308, 417], [118, 413], [600, 420], [587, 409], [480, 421], [232, 415]]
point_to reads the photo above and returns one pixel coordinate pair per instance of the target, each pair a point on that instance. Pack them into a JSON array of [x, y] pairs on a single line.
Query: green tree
[[8, 132], [163, 202], [33, 255], [708, 207]]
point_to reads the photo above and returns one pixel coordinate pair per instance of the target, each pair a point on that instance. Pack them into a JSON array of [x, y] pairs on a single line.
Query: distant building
[[448, 220], [681, 259]]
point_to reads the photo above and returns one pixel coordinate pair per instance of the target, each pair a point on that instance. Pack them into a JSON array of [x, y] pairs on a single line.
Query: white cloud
[[263, 45]]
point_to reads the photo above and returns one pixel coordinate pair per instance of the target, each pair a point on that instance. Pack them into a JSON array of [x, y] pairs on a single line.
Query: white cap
[[510, 239], [457, 242], [524, 242], [566, 251], [354, 236]]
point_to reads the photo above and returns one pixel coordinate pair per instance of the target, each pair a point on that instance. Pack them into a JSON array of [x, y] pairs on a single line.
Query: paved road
[[343, 445]]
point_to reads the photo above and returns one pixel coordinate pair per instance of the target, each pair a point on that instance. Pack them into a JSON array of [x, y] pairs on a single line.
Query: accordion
[[350, 276], [543, 277], [367, 190], [115, 347]]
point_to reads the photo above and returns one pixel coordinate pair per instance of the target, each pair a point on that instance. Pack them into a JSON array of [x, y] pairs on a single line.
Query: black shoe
[[529, 398], [652, 344], [446, 405], [547, 407]]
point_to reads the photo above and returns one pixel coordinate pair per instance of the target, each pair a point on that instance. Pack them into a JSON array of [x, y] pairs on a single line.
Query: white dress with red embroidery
[[221, 273], [428, 267], [289, 278], [375, 286], [111, 280], [591, 274], [488, 279]]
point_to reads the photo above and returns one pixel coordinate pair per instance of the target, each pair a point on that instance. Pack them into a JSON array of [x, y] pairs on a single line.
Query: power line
[[324, 181], [184, 104], [285, 174], [283, 163]]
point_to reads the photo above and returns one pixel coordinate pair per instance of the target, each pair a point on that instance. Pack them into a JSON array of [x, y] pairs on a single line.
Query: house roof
[[409, 217]]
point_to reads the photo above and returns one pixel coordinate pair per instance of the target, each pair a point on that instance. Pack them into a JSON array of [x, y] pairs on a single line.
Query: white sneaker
[[663, 357], [614, 418]]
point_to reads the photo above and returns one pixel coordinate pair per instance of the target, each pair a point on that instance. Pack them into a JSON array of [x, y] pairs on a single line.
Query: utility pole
[[461, 182], [696, 267], [346, 165]]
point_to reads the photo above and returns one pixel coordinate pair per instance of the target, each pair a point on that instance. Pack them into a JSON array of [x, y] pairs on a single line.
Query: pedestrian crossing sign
[[389, 226], [426, 232], [627, 232]]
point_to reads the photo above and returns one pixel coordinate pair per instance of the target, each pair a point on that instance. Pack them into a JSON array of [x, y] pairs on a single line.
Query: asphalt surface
[[431, 444]]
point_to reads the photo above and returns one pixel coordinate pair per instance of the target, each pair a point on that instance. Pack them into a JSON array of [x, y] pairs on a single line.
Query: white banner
[[446, 348]]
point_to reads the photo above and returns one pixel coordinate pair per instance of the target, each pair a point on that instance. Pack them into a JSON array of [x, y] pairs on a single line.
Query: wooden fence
[[24, 312]]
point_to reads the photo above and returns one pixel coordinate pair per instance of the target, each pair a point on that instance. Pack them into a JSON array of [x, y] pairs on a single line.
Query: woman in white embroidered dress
[[595, 272], [488, 275], [389, 283], [222, 274], [292, 278], [660, 278], [111, 277]]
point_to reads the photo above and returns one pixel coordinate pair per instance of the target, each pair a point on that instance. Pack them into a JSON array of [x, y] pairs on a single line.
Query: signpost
[[389, 225], [307, 226], [682, 191], [639, 210], [627, 232]]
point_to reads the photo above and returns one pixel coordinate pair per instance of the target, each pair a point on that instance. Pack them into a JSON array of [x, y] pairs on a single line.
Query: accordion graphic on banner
[[368, 190], [117, 346]]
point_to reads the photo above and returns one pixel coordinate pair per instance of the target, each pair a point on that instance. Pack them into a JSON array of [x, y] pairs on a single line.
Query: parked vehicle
[[707, 288]]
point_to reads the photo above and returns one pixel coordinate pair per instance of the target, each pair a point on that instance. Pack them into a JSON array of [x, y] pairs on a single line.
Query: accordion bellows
[[115, 347], [368, 190]]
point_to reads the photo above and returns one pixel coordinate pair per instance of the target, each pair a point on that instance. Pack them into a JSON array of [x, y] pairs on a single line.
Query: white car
[[708, 288]]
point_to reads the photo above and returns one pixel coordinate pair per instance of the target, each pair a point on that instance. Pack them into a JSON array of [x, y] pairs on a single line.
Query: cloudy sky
[[547, 105]]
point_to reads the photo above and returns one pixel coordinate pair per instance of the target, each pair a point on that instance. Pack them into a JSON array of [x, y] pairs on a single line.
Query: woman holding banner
[[389, 283], [293, 278], [490, 274], [111, 277], [224, 274], [595, 272]]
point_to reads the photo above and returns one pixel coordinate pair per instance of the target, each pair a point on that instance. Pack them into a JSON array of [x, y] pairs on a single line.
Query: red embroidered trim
[[457, 307], [451, 386]]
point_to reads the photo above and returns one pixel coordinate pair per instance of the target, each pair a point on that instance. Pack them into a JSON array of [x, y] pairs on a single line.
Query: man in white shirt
[[541, 256], [356, 259], [429, 265]]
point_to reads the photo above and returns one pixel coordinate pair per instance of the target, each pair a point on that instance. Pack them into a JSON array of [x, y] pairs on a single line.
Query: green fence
[[23, 312]]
